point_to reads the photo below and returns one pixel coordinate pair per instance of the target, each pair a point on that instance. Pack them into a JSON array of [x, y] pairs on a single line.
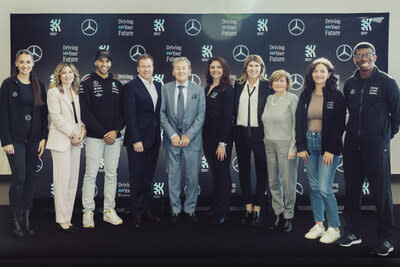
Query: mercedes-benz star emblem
[[36, 51], [235, 164], [39, 165], [240, 53], [136, 51], [296, 27], [192, 27], [195, 79], [343, 52], [297, 82], [89, 27]]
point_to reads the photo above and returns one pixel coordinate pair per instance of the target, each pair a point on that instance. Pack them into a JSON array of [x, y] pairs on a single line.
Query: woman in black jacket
[[23, 134], [320, 122], [217, 134]]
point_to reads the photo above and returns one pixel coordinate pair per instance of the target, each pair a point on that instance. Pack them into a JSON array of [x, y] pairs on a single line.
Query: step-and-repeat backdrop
[[284, 41]]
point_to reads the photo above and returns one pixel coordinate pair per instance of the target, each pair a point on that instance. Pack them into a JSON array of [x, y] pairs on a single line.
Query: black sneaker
[[383, 249], [349, 240]]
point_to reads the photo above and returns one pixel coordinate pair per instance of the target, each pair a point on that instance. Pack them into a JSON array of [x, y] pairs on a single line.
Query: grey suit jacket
[[193, 118]]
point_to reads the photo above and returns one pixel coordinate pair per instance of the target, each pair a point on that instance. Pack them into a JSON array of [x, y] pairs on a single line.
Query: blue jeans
[[320, 179]]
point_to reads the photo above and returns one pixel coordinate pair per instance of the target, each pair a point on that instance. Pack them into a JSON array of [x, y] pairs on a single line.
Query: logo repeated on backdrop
[[234, 188], [36, 51], [240, 53], [344, 52], [39, 165], [309, 52], [206, 52], [89, 27], [365, 187], [366, 26], [296, 27], [123, 189], [124, 77], [158, 189], [297, 82], [204, 164], [194, 78], [299, 188], [262, 27], [125, 27], [277, 53], [229, 27], [159, 77], [333, 27], [172, 52], [51, 79], [70, 53], [104, 47], [192, 27], [158, 26], [235, 164], [55, 27], [136, 51]]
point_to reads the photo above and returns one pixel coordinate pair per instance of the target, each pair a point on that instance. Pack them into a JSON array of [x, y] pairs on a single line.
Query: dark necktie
[[180, 106], [248, 108]]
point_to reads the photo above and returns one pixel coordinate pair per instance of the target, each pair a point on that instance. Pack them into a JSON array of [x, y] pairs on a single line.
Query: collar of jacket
[[373, 75]]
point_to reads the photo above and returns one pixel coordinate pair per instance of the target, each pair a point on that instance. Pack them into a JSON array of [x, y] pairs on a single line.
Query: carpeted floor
[[183, 244]]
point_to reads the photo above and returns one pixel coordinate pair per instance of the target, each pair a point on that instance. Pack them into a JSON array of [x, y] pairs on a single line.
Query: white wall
[[211, 6]]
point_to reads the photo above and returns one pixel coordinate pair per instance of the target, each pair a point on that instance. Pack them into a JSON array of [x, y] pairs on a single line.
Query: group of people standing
[[255, 114]]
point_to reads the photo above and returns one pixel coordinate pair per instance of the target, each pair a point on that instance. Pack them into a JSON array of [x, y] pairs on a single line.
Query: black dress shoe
[[287, 225], [246, 217], [192, 218], [74, 228], [67, 230], [216, 220], [278, 223], [138, 221], [26, 224], [174, 218], [257, 219], [152, 218], [16, 228]]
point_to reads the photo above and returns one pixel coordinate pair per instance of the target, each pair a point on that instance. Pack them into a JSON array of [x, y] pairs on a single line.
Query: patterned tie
[[180, 107]]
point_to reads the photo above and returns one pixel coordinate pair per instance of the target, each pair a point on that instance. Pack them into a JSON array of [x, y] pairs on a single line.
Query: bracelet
[[222, 144]]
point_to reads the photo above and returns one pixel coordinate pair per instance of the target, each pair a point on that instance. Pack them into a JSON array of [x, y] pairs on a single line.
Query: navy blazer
[[12, 119], [142, 121]]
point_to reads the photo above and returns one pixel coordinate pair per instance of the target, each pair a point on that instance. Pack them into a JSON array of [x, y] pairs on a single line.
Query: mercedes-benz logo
[[297, 82], [39, 165], [344, 52], [89, 27], [299, 188], [36, 51], [136, 51], [296, 27], [195, 79], [235, 164], [339, 168], [240, 53], [192, 27]]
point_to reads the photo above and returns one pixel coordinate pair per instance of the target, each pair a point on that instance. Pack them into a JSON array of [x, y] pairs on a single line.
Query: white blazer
[[62, 120]]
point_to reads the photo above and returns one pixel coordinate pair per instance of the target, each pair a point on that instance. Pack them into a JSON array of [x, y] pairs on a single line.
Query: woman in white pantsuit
[[65, 140]]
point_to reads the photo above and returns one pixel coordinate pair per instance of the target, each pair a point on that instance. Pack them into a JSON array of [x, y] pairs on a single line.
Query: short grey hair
[[185, 59]]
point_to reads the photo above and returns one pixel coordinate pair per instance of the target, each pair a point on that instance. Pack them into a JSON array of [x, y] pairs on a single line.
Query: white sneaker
[[111, 216], [330, 236], [315, 232], [87, 219]]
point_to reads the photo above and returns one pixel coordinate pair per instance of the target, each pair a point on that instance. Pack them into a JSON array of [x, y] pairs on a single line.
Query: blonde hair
[[276, 75], [250, 58], [57, 82]]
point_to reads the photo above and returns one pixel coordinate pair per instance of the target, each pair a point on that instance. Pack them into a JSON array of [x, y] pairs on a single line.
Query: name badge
[[353, 91], [214, 95], [330, 105], [373, 90], [15, 94]]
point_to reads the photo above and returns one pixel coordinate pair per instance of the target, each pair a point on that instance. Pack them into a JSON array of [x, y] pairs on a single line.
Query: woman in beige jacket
[[65, 140]]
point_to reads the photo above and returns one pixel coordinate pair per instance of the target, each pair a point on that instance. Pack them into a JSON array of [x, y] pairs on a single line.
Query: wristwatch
[[222, 144]]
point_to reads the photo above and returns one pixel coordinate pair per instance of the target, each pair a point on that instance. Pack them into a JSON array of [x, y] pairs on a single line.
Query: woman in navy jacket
[[320, 122], [23, 134]]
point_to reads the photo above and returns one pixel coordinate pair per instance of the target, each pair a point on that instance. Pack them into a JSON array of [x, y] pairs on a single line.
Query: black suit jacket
[[142, 121], [263, 92], [12, 118]]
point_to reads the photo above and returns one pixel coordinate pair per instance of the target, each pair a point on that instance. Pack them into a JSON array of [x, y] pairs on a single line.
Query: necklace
[[279, 101]]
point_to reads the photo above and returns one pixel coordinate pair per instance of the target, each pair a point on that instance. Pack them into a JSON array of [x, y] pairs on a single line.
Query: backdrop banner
[[284, 41]]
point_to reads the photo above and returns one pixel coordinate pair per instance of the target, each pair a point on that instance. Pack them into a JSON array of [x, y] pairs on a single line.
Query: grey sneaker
[[384, 248], [349, 240]]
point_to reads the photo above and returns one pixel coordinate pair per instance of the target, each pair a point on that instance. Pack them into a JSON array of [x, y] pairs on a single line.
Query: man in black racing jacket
[[372, 99]]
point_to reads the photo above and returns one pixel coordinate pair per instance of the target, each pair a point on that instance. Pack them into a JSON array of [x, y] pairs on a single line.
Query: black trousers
[[22, 164], [141, 173], [371, 161], [222, 176], [247, 142]]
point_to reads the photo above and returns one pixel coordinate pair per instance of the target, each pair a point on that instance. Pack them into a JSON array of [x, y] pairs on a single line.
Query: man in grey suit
[[182, 117]]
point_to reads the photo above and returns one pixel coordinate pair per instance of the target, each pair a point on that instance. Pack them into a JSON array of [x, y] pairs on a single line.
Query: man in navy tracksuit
[[372, 99]]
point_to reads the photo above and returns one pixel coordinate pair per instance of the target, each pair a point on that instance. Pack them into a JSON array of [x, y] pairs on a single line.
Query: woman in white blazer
[[65, 140]]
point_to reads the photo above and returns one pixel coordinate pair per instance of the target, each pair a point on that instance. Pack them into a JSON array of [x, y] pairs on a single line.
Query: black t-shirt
[[26, 97]]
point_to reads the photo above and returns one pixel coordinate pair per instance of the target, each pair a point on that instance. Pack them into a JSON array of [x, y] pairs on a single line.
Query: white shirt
[[244, 103], [184, 91], [151, 88]]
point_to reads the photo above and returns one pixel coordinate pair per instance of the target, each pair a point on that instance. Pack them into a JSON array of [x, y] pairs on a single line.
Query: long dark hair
[[331, 83], [225, 79], [37, 99]]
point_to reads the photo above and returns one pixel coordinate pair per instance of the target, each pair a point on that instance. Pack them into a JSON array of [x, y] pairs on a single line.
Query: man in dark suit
[[142, 101]]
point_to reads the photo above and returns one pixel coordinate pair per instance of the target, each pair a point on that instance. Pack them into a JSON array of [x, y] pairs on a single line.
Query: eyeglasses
[[366, 55]]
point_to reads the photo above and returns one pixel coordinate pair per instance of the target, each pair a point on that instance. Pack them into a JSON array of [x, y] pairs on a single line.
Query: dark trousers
[[141, 173], [222, 175], [22, 164], [372, 162], [246, 142]]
